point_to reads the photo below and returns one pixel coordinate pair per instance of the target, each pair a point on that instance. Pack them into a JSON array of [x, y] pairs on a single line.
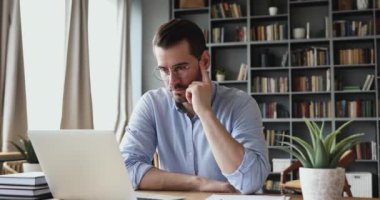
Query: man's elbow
[[136, 171], [254, 186], [250, 189]]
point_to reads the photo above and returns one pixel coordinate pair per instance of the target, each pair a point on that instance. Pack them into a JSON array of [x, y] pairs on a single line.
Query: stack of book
[[28, 185]]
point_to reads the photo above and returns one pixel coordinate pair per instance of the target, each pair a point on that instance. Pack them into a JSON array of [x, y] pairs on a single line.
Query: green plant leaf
[[306, 146], [347, 140], [337, 155], [32, 157], [321, 152], [321, 130], [28, 150], [312, 131], [295, 148], [330, 140], [322, 157]]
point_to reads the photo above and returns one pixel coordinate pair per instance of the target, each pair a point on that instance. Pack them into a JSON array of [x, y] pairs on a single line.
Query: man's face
[[178, 69]]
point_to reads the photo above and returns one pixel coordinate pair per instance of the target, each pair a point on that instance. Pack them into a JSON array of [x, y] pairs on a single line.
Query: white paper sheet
[[246, 197]]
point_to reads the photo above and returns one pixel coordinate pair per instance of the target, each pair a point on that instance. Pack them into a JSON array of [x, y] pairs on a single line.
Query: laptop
[[85, 164]]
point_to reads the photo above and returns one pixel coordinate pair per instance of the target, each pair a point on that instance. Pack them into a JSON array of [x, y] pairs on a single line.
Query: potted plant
[[273, 9], [31, 164], [320, 177], [220, 74]]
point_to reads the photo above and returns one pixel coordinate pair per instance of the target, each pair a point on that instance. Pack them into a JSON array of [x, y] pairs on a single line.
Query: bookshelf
[[321, 74]]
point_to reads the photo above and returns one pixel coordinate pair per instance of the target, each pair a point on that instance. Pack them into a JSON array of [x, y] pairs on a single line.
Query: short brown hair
[[177, 30]]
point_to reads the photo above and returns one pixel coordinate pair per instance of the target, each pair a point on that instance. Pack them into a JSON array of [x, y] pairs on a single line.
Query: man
[[208, 137]]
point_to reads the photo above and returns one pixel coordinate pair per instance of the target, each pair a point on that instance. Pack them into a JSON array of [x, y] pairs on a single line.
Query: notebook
[[84, 164]]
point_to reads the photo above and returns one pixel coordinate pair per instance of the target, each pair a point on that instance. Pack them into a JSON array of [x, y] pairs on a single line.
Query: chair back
[[13, 167], [6, 162]]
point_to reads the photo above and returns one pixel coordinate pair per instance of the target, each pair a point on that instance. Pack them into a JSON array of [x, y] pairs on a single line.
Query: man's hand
[[199, 93]]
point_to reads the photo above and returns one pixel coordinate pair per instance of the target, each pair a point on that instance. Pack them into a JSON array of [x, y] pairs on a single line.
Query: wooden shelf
[[279, 56]]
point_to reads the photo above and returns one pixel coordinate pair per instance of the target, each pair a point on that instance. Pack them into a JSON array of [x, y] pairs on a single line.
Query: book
[[20, 191], [368, 82], [27, 178], [242, 72], [373, 150], [364, 86], [284, 59], [372, 77], [216, 35], [191, 4], [358, 151], [24, 187], [9, 197], [345, 5], [351, 87], [328, 80]]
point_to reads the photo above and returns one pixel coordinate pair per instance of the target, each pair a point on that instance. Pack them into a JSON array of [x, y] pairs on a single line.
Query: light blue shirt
[[158, 124]]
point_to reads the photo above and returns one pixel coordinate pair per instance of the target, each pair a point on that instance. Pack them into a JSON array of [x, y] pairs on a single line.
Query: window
[[103, 62], [43, 32], [43, 26]]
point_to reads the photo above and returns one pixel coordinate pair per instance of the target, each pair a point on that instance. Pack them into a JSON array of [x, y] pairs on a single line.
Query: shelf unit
[[325, 54]]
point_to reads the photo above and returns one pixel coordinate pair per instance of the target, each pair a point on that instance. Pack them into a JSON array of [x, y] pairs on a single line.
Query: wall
[[154, 13]]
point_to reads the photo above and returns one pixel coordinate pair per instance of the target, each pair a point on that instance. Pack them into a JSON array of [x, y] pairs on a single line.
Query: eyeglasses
[[179, 70]]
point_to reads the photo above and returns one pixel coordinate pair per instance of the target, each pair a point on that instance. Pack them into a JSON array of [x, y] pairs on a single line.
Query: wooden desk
[[204, 195]]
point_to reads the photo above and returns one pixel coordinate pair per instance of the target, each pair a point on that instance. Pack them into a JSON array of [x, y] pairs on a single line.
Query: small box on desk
[[279, 164], [361, 183]]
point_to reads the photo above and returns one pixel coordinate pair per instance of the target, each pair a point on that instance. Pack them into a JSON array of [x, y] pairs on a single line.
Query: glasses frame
[[160, 74]]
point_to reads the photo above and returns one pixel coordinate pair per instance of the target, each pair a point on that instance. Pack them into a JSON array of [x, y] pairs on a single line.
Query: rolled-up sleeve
[[252, 172], [250, 175], [139, 142]]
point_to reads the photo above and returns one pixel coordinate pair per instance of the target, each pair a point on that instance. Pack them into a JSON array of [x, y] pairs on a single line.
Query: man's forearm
[[156, 179], [227, 151]]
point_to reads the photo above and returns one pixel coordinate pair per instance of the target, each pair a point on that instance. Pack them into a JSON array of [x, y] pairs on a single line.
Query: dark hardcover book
[[358, 151]]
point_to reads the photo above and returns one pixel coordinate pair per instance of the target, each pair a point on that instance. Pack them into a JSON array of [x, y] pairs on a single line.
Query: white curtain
[[125, 82], [13, 115], [77, 103]]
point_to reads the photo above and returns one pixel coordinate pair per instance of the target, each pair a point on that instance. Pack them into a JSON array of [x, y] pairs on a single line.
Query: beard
[[178, 91]]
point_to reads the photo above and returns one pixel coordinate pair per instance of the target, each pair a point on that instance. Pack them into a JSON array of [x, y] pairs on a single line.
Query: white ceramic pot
[[322, 184], [273, 11], [28, 167], [299, 33], [362, 4], [220, 77]]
